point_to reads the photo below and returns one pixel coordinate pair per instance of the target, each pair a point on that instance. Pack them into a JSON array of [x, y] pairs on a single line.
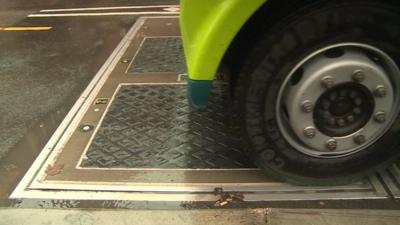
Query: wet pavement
[[11, 12], [44, 72], [200, 217]]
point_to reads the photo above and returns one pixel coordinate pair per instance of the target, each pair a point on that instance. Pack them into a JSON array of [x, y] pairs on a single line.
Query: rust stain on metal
[[101, 101], [227, 197], [53, 170]]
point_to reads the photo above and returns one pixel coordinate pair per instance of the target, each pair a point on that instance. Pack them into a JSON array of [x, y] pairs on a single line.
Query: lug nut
[[309, 132], [359, 139], [331, 144], [326, 114], [350, 118], [332, 121], [380, 91], [380, 117], [328, 82], [341, 122], [326, 104], [353, 94], [307, 106], [357, 111], [358, 101], [358, 76], [333, 96]]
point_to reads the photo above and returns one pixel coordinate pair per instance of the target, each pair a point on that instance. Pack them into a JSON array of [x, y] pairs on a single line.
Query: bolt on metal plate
[[125, 60], [86, 127]]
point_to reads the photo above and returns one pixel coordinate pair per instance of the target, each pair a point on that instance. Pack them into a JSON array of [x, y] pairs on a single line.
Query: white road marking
[[104, 14], [109, 8], [172, 9]]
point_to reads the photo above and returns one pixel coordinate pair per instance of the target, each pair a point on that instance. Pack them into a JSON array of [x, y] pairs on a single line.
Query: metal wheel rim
[[324, 146]]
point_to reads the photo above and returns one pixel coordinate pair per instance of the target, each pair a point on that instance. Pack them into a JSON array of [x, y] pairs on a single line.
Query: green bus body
[[207, 28]]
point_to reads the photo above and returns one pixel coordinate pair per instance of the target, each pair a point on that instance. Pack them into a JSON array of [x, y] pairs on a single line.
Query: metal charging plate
[[132, 136], [159, 54], [391, 179], [152, 126]]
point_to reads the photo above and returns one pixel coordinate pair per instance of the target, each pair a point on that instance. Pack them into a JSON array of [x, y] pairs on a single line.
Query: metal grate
[[159, 55], [152, 126], [391, 178]]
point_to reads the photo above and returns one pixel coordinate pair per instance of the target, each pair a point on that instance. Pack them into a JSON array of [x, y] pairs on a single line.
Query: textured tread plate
[[159, 54], [173, 159], [152, 126], [391, 178]]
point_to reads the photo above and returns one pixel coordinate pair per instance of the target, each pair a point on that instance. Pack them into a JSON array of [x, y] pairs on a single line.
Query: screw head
[[359, 139], [358, 76], [331, 144], [380, 117], [125, 60], [307, 106], [380, 91], [309, 132], [86, 127], [328, 82]]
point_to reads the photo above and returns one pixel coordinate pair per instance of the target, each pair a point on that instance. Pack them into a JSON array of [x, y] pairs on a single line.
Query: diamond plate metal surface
[[152, 126], [391, 178], [163, 54]]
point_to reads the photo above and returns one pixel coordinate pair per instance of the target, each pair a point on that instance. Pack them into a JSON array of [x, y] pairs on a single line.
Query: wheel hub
[[343, 109], [342, 103]]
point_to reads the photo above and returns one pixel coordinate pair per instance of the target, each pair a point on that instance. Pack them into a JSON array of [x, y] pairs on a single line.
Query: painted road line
[[110, 8], [103, 14], [25, 28], [172, 9]]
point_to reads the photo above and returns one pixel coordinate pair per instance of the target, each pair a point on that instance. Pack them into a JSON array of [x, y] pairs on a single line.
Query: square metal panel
[[152, 126], [159, 54]]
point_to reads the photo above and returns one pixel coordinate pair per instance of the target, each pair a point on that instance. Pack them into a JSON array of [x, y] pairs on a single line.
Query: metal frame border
[[55, 144]]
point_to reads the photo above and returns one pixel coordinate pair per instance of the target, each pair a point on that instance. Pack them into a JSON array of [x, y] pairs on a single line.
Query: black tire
[[279, 49]]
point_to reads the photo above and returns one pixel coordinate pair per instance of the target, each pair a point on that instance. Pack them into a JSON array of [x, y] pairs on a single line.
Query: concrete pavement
[[200, 217]]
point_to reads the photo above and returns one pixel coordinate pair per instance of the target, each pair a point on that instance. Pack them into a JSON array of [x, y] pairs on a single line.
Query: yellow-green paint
[[208, 27]]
